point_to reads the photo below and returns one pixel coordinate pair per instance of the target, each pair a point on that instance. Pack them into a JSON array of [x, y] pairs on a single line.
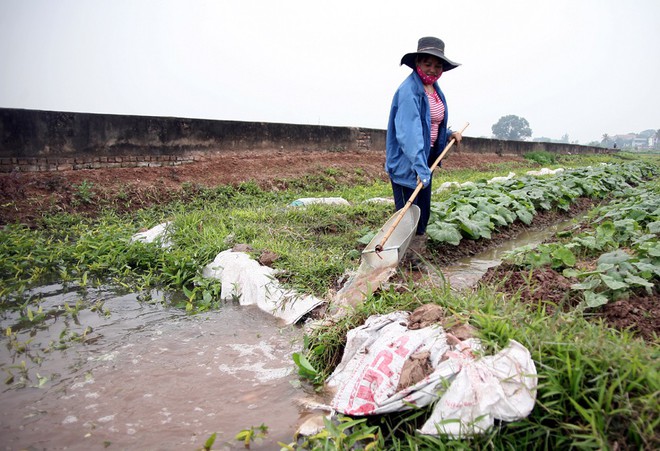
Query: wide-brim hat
[[429, 46]]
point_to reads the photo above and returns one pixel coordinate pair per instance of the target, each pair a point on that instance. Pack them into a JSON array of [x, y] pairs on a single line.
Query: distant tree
[[512, 127], [605, 139], [564, 138], [657, 138]]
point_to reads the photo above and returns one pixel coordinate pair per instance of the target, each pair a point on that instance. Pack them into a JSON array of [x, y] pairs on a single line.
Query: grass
[[598, 389]]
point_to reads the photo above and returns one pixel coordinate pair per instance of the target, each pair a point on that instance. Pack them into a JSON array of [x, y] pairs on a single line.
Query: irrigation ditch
[[91, 361]]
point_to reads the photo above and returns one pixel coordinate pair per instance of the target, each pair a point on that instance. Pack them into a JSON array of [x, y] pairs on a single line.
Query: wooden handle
[[420, 185]]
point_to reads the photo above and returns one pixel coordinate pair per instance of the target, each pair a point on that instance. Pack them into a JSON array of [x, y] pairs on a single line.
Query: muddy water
[[467, 271], [146, 376]]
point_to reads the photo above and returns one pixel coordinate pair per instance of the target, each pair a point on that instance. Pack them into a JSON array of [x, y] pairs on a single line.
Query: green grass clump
[[315, 244], [541, 157]]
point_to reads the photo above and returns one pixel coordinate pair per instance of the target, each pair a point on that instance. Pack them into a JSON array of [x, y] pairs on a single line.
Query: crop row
[[477, 210], [621, 239]]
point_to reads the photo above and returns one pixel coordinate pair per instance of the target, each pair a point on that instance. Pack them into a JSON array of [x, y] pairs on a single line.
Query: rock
[[242, 247]]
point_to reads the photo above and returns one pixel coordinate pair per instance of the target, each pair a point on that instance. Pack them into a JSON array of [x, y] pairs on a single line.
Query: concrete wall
[[501, 147], [32, 140]]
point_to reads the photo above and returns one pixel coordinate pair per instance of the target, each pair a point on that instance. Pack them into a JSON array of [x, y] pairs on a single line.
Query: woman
[[417, 130]]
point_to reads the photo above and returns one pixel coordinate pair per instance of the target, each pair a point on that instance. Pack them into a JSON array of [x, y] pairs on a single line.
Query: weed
[[252, 434], [84, 192], [541, 157], [208, 445]]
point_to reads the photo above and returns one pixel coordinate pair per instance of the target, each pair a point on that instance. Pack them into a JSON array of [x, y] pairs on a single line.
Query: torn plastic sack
[[380, 200], [318, 200], [244, 278], [159, 232], [368, 380], [509, 176], [545, 171], [501, 387]]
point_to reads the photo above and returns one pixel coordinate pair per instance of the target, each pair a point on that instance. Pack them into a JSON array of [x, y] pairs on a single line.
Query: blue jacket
[[409, 134]]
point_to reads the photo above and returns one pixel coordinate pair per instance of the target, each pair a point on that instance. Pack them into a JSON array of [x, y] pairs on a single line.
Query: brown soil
[[26, 197], [639, 313]]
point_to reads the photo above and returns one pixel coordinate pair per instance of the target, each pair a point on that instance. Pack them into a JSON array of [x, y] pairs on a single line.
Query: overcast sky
[[576, 67]]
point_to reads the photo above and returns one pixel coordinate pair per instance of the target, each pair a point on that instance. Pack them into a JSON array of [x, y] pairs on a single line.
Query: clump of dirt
[[416, 368], [462, 331], [639, 314], [425, 316], [418, 365], [539, 286], [267, 258]]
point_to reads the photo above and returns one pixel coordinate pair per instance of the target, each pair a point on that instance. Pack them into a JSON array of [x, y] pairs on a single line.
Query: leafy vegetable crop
[[622, 238], [475, 211]]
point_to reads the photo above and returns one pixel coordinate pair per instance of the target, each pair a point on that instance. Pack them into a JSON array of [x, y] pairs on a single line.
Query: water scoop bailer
[[388, 246], [382, 255]]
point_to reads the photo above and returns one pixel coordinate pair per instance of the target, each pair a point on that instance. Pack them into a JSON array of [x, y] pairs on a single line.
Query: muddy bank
[[25, 197]]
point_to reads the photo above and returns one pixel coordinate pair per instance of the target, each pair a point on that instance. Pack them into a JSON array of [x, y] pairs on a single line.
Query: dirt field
[[25, 197]]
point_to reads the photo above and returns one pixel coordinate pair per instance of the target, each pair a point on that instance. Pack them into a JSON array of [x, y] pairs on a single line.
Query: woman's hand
[[457, 136]]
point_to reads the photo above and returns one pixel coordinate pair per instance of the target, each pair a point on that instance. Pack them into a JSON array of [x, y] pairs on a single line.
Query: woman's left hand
[[457, 136]]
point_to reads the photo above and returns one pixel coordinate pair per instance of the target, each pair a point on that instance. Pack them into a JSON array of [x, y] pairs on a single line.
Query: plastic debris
[[509, 176], [243, 278], [448, 185], [159, 232], [382, 200], [318, 200], [545, 171]]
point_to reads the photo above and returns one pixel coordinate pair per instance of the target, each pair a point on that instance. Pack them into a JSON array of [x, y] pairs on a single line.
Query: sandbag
[[368, 379]]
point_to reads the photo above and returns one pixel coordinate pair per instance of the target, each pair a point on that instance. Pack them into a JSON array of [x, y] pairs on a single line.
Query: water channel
[[129, 373]]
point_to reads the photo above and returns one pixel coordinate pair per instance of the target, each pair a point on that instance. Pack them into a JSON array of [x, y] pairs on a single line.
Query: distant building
[[624, 141]]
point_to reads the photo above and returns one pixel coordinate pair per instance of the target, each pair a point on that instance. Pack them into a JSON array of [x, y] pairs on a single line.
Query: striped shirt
[[437, 114]]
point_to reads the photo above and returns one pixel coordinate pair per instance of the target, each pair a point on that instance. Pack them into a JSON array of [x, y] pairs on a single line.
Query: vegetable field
[[583, 302]]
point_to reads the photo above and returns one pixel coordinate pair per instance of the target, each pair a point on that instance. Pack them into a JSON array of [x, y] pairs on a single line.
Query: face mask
[[427, 79]]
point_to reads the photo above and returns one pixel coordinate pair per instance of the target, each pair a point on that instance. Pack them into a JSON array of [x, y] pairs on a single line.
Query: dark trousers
[[423, 201]]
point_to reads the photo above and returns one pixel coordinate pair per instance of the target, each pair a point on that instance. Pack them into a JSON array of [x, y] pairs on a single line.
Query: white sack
[[502, 179], [545, 171], [319, 200], [447, 185], [501, 386], [244, 278], [381, 200], [367, 376], [159, 232]]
